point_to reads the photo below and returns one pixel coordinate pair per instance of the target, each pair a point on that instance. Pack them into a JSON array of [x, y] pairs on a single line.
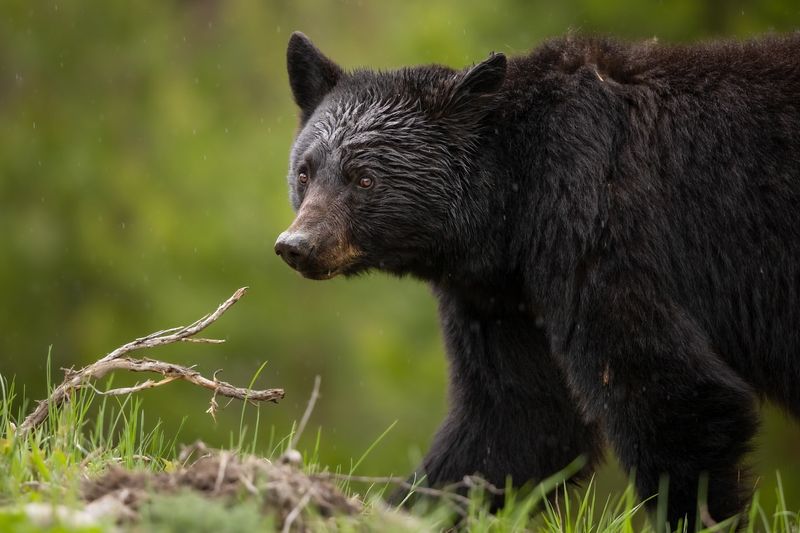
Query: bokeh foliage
[[143, 150]]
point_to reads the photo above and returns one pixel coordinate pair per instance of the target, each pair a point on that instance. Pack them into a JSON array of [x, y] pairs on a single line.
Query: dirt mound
[[282, 489]]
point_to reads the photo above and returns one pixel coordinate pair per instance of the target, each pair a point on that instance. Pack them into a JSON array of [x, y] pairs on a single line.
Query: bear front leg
[[673, 411], [511, 413]]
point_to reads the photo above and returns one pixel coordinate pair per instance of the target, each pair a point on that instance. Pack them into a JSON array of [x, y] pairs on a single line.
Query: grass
[[92, 432]]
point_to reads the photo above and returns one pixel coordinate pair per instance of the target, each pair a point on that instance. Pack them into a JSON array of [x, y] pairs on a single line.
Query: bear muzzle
[[314, 261], [294, 248]]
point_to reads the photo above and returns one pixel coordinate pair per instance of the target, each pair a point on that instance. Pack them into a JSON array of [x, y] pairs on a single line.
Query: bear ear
[[482, 79], [311, 74]]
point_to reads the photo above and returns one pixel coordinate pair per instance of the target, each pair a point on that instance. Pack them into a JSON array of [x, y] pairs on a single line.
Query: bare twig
[[223, 467], [248, 484], [173, 372], [312, 401], [122, 391], [117, 360], [448, 493], [177, 334], [705, 516], [292, 516], [472, 482]]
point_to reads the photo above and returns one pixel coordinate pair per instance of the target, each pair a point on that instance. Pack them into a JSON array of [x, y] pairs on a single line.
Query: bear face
[[380, 167]]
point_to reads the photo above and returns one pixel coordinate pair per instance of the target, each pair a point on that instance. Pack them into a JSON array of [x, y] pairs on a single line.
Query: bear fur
[[612, 231]]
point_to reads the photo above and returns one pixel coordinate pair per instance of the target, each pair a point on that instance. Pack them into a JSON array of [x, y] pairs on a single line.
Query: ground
[[89, 468]]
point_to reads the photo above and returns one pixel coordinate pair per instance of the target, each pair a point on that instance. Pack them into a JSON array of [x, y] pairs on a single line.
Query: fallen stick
[[118, 360], [445, 493]]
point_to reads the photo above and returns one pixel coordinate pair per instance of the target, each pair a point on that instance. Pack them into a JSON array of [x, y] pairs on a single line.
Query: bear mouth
[[353, 268], [320, 275]]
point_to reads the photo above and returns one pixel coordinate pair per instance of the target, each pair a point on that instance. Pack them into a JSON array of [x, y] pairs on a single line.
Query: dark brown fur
[[612, 231]]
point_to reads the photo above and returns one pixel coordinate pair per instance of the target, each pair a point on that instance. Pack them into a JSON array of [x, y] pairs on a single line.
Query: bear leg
[[511, 413], [674, 412]]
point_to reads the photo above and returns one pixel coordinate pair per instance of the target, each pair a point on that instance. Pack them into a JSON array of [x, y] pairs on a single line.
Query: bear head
[[379, 173]]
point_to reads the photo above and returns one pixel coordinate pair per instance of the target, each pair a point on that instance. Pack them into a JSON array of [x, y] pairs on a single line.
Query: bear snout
[[313, 256], [294, 248]]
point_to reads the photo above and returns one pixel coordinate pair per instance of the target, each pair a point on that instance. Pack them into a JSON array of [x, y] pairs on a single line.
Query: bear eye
[[365, 182], [302, 177]]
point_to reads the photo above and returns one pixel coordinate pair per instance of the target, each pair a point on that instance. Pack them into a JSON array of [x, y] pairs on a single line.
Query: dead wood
[[119, 360]]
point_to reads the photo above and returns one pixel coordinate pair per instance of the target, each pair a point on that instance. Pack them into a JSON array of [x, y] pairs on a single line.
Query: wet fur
[[612, 231]]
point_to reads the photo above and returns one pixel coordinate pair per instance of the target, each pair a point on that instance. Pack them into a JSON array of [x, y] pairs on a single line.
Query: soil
[[282, 488]]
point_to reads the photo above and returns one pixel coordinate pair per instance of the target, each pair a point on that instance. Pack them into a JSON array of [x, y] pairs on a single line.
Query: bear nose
[[293, 248]]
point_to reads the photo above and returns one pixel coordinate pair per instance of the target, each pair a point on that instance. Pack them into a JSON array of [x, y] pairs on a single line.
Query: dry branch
[[448, 493], [172, 372], [118, 360], [312, 401]]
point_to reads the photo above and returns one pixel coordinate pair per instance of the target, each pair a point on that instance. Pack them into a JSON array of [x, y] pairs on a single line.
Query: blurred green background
[[143, 154]]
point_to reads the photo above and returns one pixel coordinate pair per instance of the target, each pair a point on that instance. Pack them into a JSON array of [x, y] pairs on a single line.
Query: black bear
[[612, 231]]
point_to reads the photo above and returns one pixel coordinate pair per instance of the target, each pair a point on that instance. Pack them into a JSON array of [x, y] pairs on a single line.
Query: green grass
[[92, 431]]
